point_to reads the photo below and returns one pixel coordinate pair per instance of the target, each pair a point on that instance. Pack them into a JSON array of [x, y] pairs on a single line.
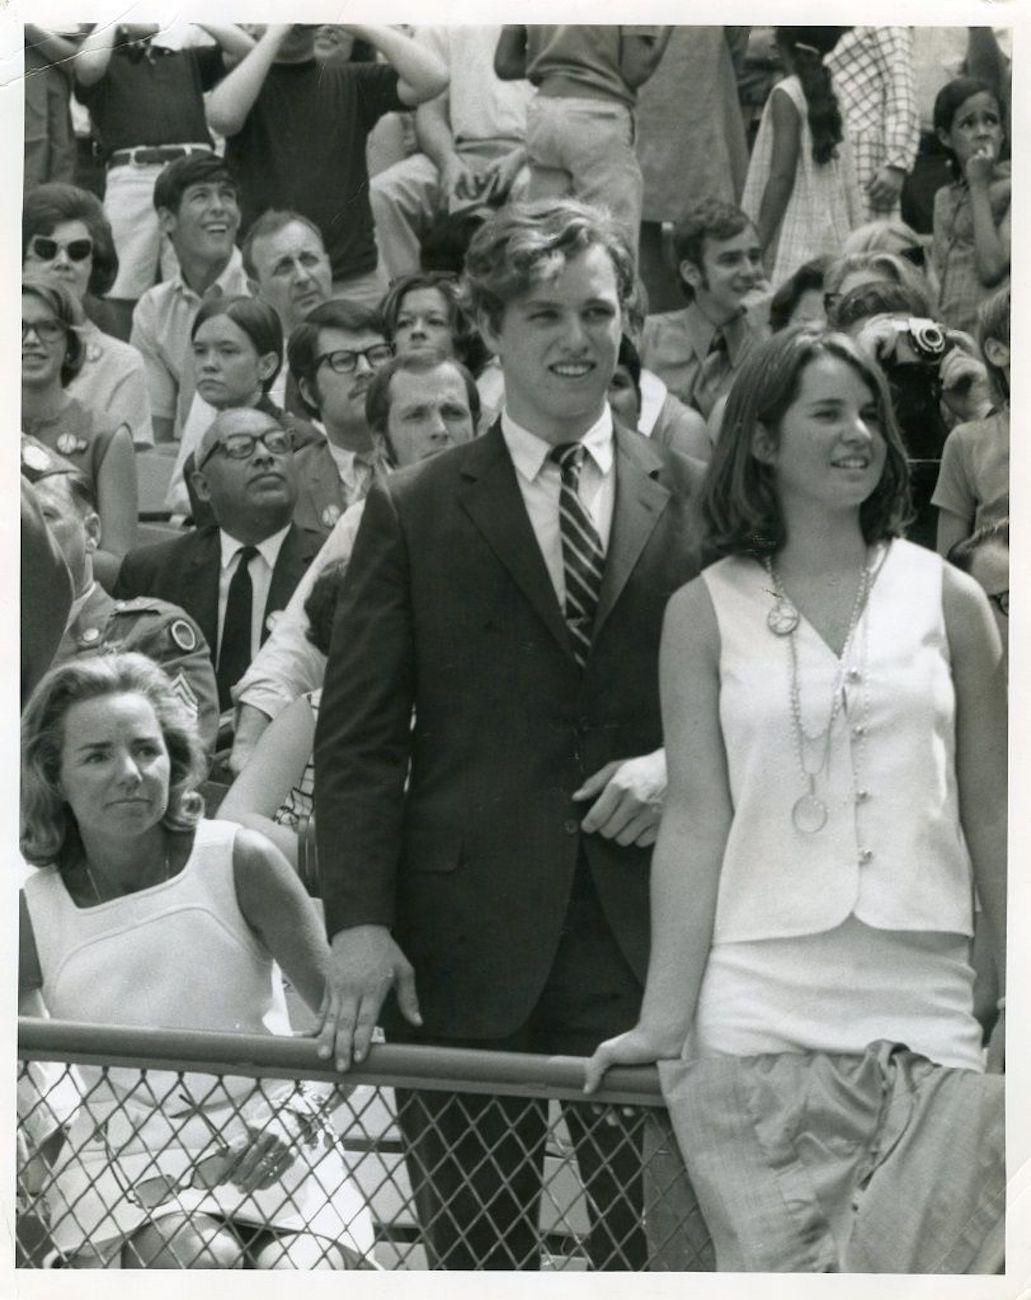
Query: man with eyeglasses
[[333, 355], [232, 577]]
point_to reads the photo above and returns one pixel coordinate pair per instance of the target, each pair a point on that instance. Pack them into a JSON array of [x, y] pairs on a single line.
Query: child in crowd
[[971, 249], [580, 124], [801, 190], [973, 483]]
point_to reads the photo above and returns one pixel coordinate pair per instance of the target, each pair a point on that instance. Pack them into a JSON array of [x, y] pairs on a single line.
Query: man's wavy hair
[[741, 512], [49, 832], [524, 244]]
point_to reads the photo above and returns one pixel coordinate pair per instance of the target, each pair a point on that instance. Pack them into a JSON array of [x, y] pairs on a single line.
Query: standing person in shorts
[[147, 106]]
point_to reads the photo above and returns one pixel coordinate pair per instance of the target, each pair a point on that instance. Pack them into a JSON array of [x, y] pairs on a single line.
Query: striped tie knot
[[583, 559]]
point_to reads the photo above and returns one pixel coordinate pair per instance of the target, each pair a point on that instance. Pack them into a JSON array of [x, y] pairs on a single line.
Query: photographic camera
[[917, 341]]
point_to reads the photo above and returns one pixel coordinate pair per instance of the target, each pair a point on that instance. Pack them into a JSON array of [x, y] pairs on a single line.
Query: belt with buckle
[[157, 154]]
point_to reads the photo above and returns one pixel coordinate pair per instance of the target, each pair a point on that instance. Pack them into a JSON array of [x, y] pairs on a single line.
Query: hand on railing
[[365, 963]]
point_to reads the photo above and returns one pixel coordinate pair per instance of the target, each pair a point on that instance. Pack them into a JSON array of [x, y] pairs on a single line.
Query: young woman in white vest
[[835, 717]]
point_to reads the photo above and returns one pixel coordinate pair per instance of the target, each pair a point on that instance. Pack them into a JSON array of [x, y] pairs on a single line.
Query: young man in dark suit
[[510, 592], [235, 574]]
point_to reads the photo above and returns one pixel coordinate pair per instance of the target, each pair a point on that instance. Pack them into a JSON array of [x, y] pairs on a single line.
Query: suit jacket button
[[570, 826]]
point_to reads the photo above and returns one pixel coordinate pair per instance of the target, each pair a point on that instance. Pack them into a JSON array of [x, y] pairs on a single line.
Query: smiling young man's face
[[558, 344], [205, 225]]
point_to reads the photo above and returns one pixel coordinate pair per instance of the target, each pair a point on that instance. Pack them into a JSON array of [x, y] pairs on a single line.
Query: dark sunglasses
[[343, 362], [47, 331], [47, 249], [240, 446], [1001, 601]]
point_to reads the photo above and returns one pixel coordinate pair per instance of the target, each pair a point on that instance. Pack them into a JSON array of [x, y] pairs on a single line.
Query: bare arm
[[991, 241], [510, 55], [979, 678], [116, 505], [234, 96], [422, 72], [275, 905], [952, 528], [640, 55], [275, 767], [698, 812], [433, 132], [787, 140], [55, 48], [94, 54], [233, 40]]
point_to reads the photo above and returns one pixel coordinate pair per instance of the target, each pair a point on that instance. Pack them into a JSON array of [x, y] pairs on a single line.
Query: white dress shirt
[[261, 567], [288, 664], [540, 482]]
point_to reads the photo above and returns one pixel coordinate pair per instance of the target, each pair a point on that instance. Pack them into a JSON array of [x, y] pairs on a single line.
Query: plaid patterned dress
[[825, 204], [872, 71]]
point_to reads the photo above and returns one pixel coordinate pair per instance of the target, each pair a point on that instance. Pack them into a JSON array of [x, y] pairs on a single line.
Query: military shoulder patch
[[183, 635]]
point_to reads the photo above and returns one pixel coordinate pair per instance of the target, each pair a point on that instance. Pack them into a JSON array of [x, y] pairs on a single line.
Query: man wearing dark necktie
[[489, 860], [234, 575]]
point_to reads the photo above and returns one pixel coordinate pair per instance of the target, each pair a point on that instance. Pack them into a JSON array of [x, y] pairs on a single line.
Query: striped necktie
[[583, 559]]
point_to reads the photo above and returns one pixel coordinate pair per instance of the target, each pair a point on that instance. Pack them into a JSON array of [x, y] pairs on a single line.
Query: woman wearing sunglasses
[[67, 239], [144, 914], [52, 354]]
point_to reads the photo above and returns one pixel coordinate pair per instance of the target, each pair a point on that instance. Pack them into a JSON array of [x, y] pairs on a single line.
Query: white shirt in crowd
[[261, 567]]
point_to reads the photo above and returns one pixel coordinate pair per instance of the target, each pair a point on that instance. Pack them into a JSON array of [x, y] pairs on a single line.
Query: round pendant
[[782, 618], [809, 814]]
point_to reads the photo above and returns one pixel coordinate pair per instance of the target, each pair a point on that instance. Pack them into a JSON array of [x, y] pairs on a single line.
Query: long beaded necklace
[[809, 811]]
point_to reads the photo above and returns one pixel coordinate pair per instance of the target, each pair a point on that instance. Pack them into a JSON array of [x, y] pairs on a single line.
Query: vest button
[[859, 730], [570, 826], [853, 674], [864, 856], [862, 796]]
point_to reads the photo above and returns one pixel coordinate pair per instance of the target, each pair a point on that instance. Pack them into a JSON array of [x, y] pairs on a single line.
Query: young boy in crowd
[[698, 349]]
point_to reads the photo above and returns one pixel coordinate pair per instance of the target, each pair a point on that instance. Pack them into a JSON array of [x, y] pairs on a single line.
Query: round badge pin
[[91, 636], [330, 515]]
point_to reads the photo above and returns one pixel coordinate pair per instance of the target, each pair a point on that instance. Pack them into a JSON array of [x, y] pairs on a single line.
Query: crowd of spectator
[[425, 366]]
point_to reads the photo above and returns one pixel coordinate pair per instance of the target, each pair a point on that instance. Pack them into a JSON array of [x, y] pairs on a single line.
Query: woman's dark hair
[[48, 205], [321, 605], [469, 348], [994, 533], [807, 278], [804, 49], [874, 299], [740, 510], [256, 318], [950, 99], [63, 303]]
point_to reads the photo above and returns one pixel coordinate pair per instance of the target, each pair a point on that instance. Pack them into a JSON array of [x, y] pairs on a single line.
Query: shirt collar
[[230, 281], [268, 549], [79, 604], [529, 453], [701, 331]]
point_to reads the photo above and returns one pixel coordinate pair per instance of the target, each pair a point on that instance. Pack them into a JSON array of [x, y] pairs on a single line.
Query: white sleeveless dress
[[178, 955]]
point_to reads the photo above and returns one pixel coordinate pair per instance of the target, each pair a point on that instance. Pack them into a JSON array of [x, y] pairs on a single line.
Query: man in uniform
[[98, 624]]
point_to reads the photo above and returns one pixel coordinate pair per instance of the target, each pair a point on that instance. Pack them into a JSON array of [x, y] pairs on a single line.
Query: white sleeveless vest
[[892, 851]]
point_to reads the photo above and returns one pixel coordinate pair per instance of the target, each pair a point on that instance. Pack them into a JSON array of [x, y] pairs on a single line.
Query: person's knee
[[300, 1250], [180, 1241]]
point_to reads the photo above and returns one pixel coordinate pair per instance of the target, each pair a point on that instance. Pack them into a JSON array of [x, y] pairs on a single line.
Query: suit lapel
[[200, 592], [640, 501], [298, 550], [491, 497]]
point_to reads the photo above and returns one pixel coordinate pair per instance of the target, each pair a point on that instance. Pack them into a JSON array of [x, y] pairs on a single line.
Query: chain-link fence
[[144, 1148]]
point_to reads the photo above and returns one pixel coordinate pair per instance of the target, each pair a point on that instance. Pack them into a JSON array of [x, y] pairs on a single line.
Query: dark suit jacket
[[184, 571], [447, 605]]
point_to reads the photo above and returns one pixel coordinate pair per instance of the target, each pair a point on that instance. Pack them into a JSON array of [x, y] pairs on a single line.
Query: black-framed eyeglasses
[[47, 331], [1001, 601], [240, 446], [47, 249], [342, 361]]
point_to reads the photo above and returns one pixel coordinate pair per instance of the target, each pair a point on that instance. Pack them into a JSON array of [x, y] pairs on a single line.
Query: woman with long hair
[[834, 710]]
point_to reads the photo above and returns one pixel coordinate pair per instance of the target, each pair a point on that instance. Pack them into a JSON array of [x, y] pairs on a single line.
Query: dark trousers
[[476, 1161]]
